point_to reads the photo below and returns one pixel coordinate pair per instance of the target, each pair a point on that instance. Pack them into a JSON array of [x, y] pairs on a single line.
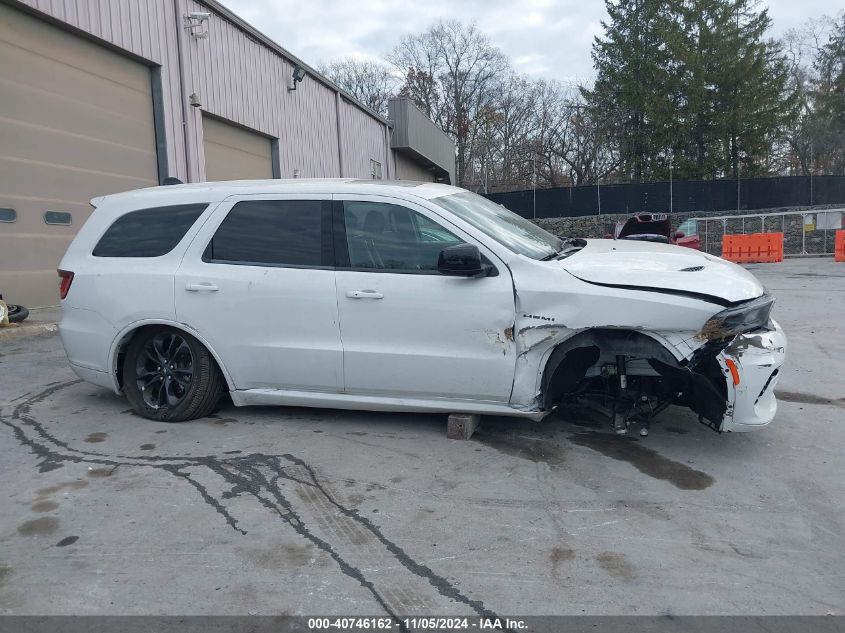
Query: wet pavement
[[308, 511]]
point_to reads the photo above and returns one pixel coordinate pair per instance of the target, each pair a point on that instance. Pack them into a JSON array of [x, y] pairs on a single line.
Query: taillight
[[65, 279]]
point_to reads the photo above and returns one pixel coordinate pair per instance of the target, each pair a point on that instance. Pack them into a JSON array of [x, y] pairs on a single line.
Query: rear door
[[407, 330], [258, 283]]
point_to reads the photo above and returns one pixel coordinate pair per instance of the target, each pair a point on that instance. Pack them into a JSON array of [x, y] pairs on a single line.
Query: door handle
[[364, 294], [207, 287]]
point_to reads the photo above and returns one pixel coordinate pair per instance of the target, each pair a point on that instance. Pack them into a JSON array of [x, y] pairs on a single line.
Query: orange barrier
[[839, 247], [754, 248]]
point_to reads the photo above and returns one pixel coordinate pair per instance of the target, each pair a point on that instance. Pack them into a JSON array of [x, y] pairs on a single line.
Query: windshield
[[507, 228]]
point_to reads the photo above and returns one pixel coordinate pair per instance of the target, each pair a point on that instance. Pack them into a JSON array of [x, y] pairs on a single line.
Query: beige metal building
[[99, 96]]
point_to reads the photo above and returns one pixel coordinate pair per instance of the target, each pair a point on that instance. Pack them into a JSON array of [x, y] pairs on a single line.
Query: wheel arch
[[128, 333], [586, 347]]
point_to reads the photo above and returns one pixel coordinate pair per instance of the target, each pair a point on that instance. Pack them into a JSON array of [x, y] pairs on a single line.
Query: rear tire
[[169, 376]]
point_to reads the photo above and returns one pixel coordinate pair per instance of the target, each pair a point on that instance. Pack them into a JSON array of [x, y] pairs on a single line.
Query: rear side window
[[272, 233], [148, 232]]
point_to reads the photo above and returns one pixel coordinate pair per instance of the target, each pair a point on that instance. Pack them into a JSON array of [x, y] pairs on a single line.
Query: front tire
[[170, 376]]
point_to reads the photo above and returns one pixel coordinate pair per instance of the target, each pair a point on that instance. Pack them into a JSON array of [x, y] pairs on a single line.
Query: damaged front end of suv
[[631, 330]]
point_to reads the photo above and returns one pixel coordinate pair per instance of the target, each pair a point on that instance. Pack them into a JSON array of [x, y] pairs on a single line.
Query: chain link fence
[[805, 233]]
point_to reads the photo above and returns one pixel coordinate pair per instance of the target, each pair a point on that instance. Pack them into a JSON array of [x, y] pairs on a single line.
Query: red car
[[657, 227]]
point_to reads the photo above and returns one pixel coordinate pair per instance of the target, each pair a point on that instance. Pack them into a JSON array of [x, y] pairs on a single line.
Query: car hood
[[662, 267]]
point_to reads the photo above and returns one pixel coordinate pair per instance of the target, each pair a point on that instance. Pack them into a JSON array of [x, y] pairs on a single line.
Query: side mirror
[[461, 260], [679, 235]]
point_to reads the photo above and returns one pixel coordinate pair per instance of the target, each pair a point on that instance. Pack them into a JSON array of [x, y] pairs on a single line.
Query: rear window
[[148, 232], [270, 233]]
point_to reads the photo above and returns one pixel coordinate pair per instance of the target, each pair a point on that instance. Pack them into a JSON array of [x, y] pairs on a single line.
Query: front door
[[407, 330], [258, 284]]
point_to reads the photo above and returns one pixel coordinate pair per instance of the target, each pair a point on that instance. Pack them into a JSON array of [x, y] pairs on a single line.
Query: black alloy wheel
[[169, 376], [164, 370]]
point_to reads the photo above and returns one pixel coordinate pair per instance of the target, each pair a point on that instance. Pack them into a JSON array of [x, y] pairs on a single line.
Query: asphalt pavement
[[308, 511]]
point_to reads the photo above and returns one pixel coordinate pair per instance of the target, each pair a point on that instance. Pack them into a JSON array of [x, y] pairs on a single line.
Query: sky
[[544, 38]]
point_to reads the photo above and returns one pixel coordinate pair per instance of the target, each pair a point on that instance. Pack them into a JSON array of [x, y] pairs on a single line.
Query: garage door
[[233, 153], [76, 122]]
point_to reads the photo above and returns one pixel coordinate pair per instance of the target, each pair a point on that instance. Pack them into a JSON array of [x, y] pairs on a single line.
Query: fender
[[131, 327]]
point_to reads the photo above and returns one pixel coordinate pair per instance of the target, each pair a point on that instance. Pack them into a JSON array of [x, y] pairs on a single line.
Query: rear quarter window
[[148, 232]]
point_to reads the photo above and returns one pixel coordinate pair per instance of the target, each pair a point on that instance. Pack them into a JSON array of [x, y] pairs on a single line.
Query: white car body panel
[[358, 402], [275, 327], [398, 343], [756, 357], [297, 336], [646, 264]]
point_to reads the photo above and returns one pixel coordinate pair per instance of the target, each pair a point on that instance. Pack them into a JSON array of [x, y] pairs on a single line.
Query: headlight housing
[[746, 317]]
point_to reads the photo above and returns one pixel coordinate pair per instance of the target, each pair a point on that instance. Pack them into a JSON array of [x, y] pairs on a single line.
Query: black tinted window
[[148, 232], [390, 237], [276, 232]]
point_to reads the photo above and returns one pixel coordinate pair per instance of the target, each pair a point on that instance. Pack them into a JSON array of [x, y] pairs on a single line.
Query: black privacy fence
[[681, 196]]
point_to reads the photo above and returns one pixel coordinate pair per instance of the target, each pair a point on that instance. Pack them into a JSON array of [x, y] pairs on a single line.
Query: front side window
[[507, 228], [389, 237], [148, 232], [270, 233]]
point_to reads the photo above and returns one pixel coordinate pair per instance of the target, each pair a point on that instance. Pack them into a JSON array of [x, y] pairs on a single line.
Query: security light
[[194, 21], [298, 75]]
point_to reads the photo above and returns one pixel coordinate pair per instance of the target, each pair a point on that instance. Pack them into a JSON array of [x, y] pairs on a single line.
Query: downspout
[[182, 90], [339, 135], [387, 155]]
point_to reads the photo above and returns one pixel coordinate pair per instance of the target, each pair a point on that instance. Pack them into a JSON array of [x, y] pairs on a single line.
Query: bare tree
[[372, 83], [574, 141], [452, 73], [504, 143], [803, 46]]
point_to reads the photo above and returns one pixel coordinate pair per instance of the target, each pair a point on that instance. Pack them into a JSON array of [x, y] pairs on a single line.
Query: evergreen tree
[[694, 80], [830, 100], [630, 92]]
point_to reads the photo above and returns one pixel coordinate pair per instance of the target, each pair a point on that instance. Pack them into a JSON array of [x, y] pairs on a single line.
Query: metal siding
[[414, 132], [362, 139], [406, 169], [172, 96], [241, 80], [237, 77]]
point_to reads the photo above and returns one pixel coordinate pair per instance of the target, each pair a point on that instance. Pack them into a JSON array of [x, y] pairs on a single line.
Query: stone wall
[[815, 241]]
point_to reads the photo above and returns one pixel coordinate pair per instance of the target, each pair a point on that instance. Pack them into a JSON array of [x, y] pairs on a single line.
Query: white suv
[[402, 296]]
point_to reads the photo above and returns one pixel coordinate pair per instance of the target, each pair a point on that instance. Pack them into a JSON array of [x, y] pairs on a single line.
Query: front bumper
[[757, 358]]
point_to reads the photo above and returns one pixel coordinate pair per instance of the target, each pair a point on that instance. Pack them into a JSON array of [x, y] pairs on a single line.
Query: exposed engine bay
[[631, 378]]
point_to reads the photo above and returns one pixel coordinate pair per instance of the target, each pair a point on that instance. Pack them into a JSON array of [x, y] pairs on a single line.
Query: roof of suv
[[214, 191]]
